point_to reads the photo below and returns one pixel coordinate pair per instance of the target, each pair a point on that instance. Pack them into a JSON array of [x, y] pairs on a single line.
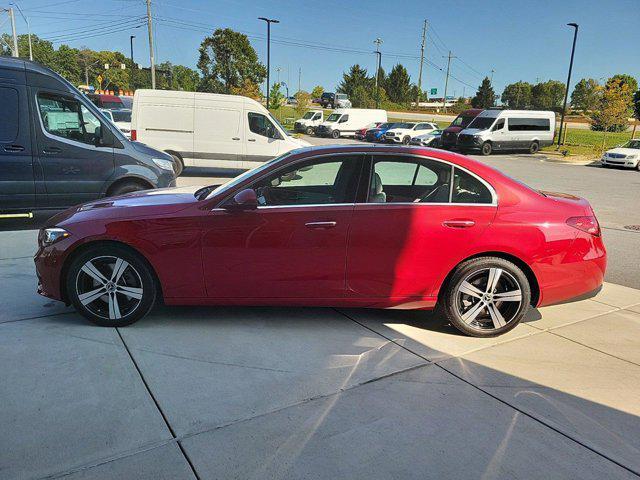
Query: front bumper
[[620, 162]]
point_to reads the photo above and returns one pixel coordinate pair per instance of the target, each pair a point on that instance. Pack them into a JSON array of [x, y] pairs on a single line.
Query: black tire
[[486, 148], [406, 140], [309, 131], [136, 276], [335, 134], [534, 147], [127, 187], [475, 314]]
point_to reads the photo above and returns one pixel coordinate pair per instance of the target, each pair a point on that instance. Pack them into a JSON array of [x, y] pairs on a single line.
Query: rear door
[[74, 169], [17, 186]]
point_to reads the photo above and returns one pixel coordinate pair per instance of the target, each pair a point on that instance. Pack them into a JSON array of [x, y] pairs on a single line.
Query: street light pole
[[378, 42], [269, 22], [566, 93]]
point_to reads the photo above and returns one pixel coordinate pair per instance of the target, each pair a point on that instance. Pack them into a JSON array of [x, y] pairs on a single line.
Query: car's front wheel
[[486, 148], [335, 134], [309, 130], [486, 296], [111, 285], [406, 140]]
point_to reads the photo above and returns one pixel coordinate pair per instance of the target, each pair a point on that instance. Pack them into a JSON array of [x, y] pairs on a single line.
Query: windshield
[[632, 144], [461, 121], [334, 117], [121, 116], [275, 120], [243, 176], [403, 125], [308, 115], [482, 123]]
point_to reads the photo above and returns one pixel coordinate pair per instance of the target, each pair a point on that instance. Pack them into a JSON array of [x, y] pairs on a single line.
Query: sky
[[518, 39]]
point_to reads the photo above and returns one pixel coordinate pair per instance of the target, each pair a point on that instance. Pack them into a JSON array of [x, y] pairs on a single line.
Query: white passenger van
[[209, 130], [345, 121], [508, 130]]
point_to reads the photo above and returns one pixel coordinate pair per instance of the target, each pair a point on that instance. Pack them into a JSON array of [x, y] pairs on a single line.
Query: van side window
[[499, 125], [344, 119], [8, 115], [529, 124], [468, 189], [68, 118], [261, 125]]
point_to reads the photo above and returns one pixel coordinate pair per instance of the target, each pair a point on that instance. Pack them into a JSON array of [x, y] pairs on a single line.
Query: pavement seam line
[[36, 317], [155, 401], [504, 402]]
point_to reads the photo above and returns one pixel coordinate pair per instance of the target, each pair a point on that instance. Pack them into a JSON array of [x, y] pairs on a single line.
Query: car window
[[67, 118], [468, 189], [405, 180], [345, 118], [8, 114], [261, 125], [328, 180], [317, 116]]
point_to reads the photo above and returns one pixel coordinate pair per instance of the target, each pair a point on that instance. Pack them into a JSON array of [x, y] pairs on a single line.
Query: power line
[[91, 30]]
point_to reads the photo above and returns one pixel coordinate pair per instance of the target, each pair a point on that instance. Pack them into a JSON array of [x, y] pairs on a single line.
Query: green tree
[[615, 109], [585, 95], [67, 63], [398, 85], [303, 102], [624, 78], [247, 89], [517, 95], [226, 60], [636, 111], [362, 97], [276, 97], [356, 77], [485, 96], [548, 95], [461, 105], [185, 78], [317, 91]]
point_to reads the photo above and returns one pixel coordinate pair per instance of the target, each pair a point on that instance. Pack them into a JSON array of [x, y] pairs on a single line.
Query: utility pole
[[26, 19], [424, 34], [566, 93], [492, 72], [133, 65], [278, 71], [378, 42], [14, 53], [299, 78], [151, 57], [446, 82], [269, 22]]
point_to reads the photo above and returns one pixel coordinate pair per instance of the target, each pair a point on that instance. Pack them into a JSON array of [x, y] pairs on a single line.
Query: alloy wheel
[[488, 299], [109, 287]]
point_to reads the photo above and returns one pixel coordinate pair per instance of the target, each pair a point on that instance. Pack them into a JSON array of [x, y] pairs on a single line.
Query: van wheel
[[335, 134], [309, 130], [127, 187], [406, 140], [534, 147], [486, 148]]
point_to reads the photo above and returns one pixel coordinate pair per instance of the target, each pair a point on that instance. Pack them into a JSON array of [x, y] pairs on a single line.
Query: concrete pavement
[[314, 393]]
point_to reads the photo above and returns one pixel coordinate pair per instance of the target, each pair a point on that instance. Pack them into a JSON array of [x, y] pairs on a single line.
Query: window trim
[[63, 139], [275, 126]]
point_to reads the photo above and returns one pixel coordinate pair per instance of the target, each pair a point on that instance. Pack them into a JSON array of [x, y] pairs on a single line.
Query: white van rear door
[[218, 138]]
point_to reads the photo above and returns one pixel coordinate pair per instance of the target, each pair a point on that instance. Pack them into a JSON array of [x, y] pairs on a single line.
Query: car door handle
[[252, 139], [235, 138], [320, 225], [459, 223], [52, 150], [13, 148]]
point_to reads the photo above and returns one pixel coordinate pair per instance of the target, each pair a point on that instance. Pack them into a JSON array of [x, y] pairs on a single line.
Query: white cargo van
[[508, 130], [309, 121], [209, 130], [346, 121]]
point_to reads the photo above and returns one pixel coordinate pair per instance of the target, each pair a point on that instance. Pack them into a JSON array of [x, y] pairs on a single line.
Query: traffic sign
[[434, 91], [99, 79]]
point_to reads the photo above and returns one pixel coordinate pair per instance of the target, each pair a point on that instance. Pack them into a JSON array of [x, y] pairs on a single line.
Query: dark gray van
[[57, 150]]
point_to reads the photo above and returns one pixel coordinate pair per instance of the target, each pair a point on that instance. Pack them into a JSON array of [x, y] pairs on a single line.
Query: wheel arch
[[526, 269], [128, 179], [88, 245]]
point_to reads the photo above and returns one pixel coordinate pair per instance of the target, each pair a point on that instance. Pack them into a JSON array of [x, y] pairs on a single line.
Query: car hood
[[454, 129], [624, 151], [472, 131], [152, 152], [161, 201], [427, 135]]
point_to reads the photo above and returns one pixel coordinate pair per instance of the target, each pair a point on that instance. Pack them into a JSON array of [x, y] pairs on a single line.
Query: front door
[[17, 186], [75, 170], [294, 244], [264, 141], [414, 225]]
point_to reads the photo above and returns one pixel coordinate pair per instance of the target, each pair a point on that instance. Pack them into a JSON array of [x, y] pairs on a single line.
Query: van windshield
[[334, 117], [462, 121], [308, 115], [482, 123]]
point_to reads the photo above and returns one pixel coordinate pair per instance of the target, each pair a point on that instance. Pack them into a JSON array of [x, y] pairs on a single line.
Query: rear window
[[8, 114], [529, 124]]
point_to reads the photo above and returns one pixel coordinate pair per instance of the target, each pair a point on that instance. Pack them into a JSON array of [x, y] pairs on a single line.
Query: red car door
[[414, 226], [294, 244]]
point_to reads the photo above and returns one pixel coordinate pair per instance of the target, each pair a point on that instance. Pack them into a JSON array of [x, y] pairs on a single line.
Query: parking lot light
[[566, 93], [269, 22]]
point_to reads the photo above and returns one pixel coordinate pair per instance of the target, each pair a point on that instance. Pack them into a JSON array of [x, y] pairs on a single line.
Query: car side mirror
[[244, 200]]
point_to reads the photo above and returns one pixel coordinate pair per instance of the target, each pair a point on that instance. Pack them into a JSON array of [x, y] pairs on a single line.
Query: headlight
[[49, 236], [631, 157], [163, 164]]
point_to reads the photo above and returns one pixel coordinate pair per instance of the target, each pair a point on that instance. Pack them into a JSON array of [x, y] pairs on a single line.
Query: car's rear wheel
[[111, 285], [406, 140], [534, 147], [486, 296], [486, 148]]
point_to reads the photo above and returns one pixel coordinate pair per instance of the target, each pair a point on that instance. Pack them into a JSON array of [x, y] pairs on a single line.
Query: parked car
[[346, 121], [110, 102], [362, 133], [627, 155], [309, 122], [209, 130], [508, 130], [122, 120], [405, 131], [371, 233], [335, 100], [57, 149], [127, 101], [431, 139], [377, 134], [292, 101], [450, 134]]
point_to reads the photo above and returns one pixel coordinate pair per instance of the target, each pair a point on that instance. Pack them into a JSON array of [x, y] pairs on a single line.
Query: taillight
[[587, 224], [134, 135]]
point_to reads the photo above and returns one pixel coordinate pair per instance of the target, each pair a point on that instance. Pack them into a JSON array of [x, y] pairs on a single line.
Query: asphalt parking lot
[[325, 393]]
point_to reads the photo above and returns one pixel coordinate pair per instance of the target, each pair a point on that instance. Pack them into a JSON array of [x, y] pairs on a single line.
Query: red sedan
[[351, 226]]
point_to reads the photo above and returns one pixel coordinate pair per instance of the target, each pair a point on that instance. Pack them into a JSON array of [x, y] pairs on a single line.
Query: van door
[[218, 140], [17, 185], [264, 141], [499, 135], [74, 169]]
